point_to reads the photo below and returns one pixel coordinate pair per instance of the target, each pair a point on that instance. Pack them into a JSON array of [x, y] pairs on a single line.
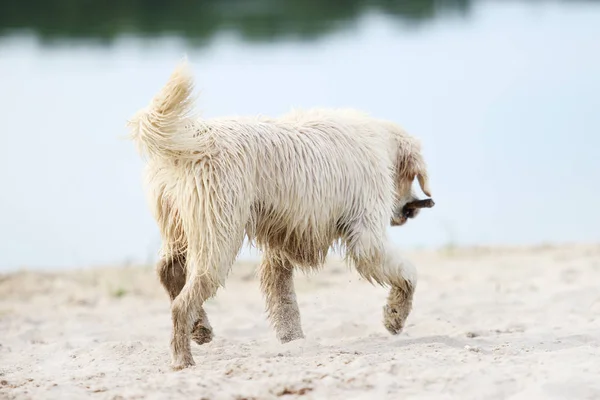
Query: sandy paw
[[290, 336], [182, 362], [393, 319], [201, 334]]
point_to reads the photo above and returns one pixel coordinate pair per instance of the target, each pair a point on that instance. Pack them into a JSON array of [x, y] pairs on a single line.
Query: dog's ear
[[424, 182], [413, 166]]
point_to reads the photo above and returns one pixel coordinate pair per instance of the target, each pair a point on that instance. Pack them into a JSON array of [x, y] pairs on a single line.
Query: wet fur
[[296, 186]]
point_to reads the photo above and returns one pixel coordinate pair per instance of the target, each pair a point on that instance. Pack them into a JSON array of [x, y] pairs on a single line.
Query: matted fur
[[294, 186]]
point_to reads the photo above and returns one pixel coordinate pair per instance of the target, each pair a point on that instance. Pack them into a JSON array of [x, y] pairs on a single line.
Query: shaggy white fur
[[295, 186]]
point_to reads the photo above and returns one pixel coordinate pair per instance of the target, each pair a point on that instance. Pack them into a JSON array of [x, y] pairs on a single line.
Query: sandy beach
[[487, 323]]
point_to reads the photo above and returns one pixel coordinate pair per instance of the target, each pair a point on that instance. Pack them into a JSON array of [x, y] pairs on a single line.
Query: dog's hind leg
[[214, 210], [277, 285], [185, 310], [171, 273], [205, 275]]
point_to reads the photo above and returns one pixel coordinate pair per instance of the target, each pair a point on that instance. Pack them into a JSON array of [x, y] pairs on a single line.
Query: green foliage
[[199, 20]]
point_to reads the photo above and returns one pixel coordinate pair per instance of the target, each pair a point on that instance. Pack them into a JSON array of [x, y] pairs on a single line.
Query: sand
[[510, 323]]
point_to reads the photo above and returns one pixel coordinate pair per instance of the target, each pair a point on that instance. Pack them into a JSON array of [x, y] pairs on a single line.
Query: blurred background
[[503, 94]]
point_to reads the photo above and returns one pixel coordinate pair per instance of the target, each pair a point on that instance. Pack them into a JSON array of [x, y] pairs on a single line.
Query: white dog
[[295, 186]]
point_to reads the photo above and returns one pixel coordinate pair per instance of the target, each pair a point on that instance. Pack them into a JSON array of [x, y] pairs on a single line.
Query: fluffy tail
[[162, 129]]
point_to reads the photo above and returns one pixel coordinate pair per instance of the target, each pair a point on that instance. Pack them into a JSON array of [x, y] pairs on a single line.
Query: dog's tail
[[163, 128]]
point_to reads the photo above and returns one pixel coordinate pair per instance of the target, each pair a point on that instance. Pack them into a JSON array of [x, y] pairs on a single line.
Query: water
[[504, 95]]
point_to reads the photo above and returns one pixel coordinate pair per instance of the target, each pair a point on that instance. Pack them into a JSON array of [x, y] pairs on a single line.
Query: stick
[[401, 217], [425, 203]]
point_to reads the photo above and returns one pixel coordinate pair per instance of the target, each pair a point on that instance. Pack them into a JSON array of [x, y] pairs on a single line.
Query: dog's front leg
[[277, 284]]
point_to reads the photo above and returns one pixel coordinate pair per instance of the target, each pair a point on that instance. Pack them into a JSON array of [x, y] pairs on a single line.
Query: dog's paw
[[393, 319], [182, 361], [290, 336], [201, 334]]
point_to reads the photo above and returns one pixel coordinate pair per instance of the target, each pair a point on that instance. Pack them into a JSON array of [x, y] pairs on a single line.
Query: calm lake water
[[504, 95]]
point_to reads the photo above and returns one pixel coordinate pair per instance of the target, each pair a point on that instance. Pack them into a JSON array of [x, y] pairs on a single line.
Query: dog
[[296, 186]]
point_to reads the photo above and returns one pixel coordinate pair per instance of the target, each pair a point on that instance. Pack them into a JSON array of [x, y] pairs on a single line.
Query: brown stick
[[401, 217], [425, 203]]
